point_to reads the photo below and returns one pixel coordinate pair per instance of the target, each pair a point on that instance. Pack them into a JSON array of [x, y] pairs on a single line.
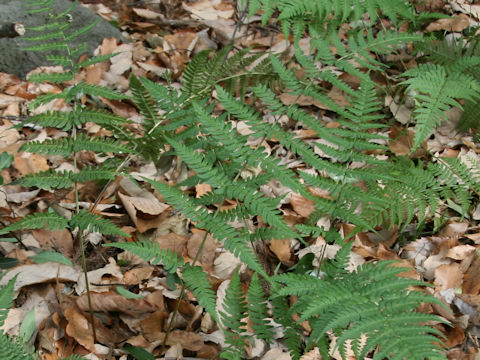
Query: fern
[[257, 310], [151, 252], [50, 220], [436, 92], [372, 302], [197, 281], [235, 307]]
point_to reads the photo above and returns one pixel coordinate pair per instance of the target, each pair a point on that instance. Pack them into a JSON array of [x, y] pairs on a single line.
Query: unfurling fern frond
[[150, 251]]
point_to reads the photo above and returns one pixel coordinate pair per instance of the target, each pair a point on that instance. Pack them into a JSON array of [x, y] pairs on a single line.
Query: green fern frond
[[92, 90], [15, 349], [47, 180], [85, 220], [371, 301], [235, 307], [151, 252], [220, 230], [66, 120], [52, 77], [65, 146], [258, 311], [436, 92], [95, 60], [49, 220], [6, 299], [197, 281]]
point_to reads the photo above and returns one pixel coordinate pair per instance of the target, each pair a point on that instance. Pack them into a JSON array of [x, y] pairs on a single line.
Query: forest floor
[[166, 35]]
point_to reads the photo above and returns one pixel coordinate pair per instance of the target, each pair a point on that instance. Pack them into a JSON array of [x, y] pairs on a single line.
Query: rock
[[14, 60]]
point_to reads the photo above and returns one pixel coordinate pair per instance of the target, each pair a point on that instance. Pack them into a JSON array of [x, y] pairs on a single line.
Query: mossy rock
[[14, 60]]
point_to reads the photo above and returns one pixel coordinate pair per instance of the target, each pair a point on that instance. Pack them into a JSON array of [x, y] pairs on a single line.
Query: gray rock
[[14, 60]]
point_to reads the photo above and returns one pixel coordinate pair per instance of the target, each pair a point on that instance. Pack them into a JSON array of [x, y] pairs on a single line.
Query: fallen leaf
[[448, 276], [282, 249], [454, 23], [145, 210], [209, 247], [225, 264], [471, 285], [40, 273], [28, 163], [204, 9], [276, 354], [312, 355], [460, 252], [302, 206], [111, 301], [137, 275], [174, 242], [147, 14]]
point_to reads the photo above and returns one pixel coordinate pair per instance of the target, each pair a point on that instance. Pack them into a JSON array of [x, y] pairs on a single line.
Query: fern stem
[[81, 243], [182, 293]]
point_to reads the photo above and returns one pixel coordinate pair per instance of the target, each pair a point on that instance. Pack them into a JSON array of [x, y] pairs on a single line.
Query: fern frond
[[197, 281], [65, 146], [371, 301], [52, 77], [15, 349], [435, 93], [258, 311], [235, 307], [220, 230], [47, 180], [83, 88], [6, 299], [151, 252], [49, 220], [85, 220]]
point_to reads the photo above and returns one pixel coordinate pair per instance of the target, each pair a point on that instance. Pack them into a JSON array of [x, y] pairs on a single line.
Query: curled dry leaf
[[208, 253], [448, 276], [111, 301], [302, 206], [145, 210], [40, 273], [312, 355], [283, 249], [454, 23]]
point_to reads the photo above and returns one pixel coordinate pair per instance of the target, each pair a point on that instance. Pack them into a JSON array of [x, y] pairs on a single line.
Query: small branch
[[11, 30]]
